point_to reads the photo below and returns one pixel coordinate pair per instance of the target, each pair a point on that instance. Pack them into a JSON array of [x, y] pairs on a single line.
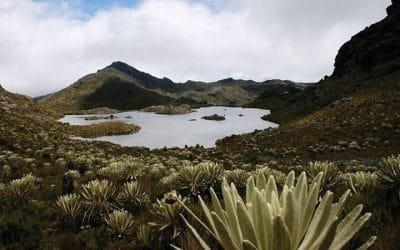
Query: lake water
[[158, 131]]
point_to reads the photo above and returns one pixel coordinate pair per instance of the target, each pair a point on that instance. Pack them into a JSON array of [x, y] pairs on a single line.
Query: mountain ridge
[[82, 94]]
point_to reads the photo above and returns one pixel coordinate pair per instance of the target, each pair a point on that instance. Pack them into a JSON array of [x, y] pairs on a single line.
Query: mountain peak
[[121, 66], [149, 81]]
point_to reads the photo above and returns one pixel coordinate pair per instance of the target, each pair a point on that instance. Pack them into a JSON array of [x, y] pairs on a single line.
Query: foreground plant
[[237, 176], [191, 178], [144, 236], [132, 195], [97, 195], [24, 186], [363, 185], [389, 171], [212, 173], [168, 212], [70, 204], [331, 174], [268, 219], [120, 223]]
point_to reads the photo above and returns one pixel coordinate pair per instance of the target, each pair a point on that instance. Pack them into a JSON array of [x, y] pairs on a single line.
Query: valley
[[320, 171]]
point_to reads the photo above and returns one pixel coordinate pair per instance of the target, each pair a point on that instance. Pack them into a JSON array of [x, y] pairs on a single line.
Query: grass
[[104, 129]]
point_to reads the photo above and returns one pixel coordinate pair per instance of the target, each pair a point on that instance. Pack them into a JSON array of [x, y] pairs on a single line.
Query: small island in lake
[[95, 118], [214, 117], [104, 129], [169, 109]]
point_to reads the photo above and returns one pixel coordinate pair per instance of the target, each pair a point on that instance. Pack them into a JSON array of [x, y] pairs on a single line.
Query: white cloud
[[47, 46]]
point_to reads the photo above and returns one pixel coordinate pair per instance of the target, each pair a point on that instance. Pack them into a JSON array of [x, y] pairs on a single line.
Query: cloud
[[47, 45]]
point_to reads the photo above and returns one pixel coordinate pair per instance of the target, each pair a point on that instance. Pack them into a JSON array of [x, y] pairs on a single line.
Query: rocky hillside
[[123, 87], [369, 60], [273, 98], [355, 113]]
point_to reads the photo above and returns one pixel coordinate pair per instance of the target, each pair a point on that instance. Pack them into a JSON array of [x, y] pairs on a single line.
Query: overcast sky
[[46, 45]]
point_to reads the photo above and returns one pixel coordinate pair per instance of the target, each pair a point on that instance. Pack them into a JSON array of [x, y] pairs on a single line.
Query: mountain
[[369, 61], [106, 88], [120, 86]]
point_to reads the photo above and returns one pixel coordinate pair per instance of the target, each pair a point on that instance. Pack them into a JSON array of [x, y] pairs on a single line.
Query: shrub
[[237, 176], [133, 196], [97, 195], [120, 222], [70, 204], [191, 178], [331, 174], [211, 173], [389, 171], [167, 211], [144, 236], [24, 186]]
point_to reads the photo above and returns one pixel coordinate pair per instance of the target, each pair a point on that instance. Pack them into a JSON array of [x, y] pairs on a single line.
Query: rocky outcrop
[[374, 51], [214, 117], [274, 97]]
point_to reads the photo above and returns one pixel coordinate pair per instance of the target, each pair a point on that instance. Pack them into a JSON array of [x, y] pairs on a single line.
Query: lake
[[158, 131]]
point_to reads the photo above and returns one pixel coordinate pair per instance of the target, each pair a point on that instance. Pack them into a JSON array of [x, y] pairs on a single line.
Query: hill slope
[[107, 88], [369, 59], [353, 113]]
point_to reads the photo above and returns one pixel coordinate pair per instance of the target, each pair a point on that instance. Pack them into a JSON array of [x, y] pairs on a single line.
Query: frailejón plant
[[120, 222], [97, 195], [268, 219], [70, 204]]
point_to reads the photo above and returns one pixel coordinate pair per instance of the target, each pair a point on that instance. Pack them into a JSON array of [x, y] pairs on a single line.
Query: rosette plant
[[293, 218]]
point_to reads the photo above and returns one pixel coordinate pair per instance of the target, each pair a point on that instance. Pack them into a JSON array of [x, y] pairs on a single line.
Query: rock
[[214, 117]]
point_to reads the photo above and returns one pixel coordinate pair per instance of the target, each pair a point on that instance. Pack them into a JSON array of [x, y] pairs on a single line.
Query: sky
[[46, 45]]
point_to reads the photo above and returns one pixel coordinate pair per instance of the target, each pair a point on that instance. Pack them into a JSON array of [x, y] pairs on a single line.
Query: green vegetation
[[104, 129], [169, 109]]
